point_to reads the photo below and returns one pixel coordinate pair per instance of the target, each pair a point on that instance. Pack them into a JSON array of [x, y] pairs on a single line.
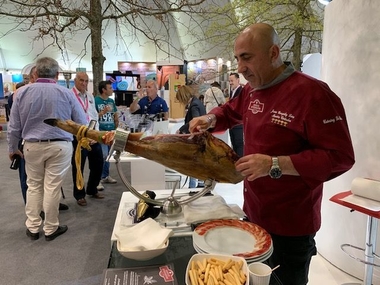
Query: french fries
[[213, 271]]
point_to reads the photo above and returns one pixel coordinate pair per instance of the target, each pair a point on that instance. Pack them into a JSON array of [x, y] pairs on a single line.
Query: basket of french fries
[[214, 269]]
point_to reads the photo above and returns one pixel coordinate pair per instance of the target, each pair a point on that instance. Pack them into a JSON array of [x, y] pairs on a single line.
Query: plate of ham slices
[[233, 237]]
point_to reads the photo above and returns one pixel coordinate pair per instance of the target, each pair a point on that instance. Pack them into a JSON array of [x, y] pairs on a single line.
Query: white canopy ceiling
[[18, 50]]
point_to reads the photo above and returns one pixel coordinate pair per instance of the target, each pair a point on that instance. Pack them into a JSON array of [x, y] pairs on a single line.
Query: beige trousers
[[46, 165]]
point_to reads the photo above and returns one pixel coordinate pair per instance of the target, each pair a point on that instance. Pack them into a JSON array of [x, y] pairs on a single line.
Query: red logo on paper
[[166, 273]]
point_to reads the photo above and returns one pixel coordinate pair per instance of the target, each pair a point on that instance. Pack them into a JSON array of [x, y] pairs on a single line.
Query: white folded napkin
[[208, 208], [367, 188], [146, 235]]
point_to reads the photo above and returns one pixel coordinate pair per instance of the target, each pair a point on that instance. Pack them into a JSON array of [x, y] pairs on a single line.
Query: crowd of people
[[45, 152], [100, 112], [280, 125]]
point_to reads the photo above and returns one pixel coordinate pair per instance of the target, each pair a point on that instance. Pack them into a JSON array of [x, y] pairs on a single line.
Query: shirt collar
[[289, 70], [79, 93]]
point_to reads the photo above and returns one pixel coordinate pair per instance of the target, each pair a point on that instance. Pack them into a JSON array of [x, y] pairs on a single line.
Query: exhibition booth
[[348, 64]]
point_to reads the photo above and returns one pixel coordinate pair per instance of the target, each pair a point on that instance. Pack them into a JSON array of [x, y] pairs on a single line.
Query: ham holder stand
[[170, 206]]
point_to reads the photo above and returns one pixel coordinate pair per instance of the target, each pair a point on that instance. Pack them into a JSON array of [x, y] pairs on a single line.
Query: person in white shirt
[[95, 156], [214, 97]]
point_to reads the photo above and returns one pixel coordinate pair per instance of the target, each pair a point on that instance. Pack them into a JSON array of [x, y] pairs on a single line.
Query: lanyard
[[84, 105]]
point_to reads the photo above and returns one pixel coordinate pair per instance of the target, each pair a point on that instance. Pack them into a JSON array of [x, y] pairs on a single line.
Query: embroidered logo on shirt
[[256, 106], [333, 120], [281, 118]]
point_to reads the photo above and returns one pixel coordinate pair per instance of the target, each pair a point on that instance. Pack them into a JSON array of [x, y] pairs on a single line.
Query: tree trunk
[[296, 49], [97, 58]]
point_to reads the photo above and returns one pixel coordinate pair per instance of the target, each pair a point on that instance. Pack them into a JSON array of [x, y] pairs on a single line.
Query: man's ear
[[274, 53]]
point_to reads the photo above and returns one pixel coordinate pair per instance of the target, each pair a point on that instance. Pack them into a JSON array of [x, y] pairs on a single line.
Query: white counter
[[145, 174], [125, 213]]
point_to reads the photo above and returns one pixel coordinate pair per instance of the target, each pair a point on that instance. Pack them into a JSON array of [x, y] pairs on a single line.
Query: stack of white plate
[[233, 237]]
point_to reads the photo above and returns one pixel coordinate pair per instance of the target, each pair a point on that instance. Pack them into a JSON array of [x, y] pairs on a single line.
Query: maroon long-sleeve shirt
[[298, 117]]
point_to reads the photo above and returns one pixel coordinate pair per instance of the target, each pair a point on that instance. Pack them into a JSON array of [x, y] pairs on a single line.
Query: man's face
[[108, 90], [234, 82], [151, 90], [81, 82], [254, 60]]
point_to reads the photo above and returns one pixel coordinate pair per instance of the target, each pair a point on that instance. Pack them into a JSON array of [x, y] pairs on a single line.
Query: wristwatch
[[275, 171]]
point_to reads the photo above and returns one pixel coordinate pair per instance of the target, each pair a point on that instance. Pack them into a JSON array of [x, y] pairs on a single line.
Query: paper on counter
[[367, 188], [208, 208], [368, 204], [146, 235]]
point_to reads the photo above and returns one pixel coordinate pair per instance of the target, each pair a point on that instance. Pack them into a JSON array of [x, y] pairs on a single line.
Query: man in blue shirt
[[49, 149], [151, 104]]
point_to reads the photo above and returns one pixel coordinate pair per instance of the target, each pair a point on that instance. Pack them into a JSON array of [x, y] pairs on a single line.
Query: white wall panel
[[350, 65]]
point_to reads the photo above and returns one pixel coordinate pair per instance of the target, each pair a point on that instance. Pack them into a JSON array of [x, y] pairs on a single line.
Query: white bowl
[[143, 254], [201, 256]]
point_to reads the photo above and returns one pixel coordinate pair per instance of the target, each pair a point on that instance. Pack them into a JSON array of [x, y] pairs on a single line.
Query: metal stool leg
[[370, 248]]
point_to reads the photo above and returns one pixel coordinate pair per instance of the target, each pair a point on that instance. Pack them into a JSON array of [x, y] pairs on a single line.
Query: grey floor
[[77, 257]]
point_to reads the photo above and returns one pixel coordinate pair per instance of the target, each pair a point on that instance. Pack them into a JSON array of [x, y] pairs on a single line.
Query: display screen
[[123, 82]]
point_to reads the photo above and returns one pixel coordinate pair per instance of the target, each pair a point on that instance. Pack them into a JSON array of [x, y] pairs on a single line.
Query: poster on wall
[[201, 73], [149, 70], [164, 72]]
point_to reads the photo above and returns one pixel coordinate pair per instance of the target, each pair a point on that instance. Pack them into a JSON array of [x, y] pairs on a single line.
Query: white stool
[[371, 235]]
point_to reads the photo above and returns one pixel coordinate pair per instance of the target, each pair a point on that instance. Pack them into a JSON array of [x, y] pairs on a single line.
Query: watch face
[[275, 172]]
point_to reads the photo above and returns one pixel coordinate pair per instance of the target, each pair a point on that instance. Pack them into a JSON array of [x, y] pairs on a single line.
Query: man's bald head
[[257, 52], [263, 33]]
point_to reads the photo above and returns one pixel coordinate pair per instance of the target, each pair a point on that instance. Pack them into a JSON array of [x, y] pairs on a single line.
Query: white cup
[[259, 273]]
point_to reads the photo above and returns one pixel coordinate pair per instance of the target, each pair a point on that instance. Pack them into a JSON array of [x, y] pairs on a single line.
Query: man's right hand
[[202, 123], [141, 93], [17, 152]]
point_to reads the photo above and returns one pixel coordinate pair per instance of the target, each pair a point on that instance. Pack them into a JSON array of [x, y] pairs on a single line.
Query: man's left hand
[[254, 166]]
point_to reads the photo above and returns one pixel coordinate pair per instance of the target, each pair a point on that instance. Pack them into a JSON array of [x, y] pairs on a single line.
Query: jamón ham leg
[[200, 155]]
